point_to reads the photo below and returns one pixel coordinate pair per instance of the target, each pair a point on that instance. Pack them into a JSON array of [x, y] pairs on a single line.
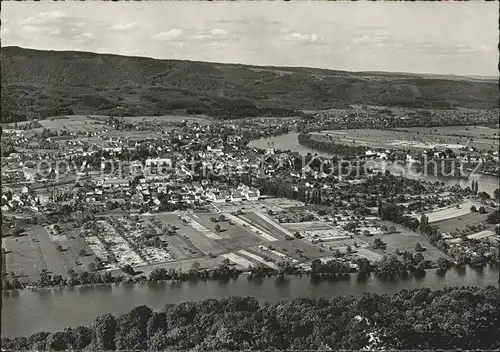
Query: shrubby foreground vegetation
[[460, 317]]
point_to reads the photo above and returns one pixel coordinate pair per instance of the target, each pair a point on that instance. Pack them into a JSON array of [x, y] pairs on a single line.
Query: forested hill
[[37, 83]]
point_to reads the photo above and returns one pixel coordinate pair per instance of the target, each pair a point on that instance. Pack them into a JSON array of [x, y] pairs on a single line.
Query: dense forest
[[35, 83], [452, 318]]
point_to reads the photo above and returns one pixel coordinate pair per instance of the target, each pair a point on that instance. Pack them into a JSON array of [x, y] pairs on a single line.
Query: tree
[[59, 248], [222, 217], [418, 247], [473, 208], [494, 217], [213, 219], [82, 337], [57, 341], [218, 228], [82, 252], [156, 323], [377, 243], [105, 331], [196, 266], [441, 244], [484, 196], [91, 267], [16, 231], [424, 222], [16, 285], [418, 257], [482, 210], [127, 269]]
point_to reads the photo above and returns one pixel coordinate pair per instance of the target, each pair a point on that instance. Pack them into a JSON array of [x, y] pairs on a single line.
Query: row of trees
[[452, 318]]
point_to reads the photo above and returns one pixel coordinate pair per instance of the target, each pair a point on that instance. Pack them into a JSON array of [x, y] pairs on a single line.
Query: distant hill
[[37, 84]]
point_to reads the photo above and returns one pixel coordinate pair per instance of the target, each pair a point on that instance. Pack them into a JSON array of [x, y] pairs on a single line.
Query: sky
[[421, 37]]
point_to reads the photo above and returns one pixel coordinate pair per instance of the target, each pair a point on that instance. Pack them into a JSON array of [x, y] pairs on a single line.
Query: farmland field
[[232, 235], [450, 225], [311, 251], [450, 213], [419, 137], [369, 254], [306, 226], [71, 123], [35, 251], [257, 221], [274, 204], [200, 241]]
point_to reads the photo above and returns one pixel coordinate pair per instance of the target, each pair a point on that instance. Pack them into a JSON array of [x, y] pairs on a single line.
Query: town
[[94, 199]]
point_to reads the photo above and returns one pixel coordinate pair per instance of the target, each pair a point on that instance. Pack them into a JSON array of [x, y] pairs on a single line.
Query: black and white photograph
[[250, 175]]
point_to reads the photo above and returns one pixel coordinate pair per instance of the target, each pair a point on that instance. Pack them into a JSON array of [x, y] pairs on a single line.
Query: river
[[487, 183], [26, 312]]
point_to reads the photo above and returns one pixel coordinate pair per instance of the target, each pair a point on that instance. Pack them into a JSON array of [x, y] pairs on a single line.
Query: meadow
[[453, 137]]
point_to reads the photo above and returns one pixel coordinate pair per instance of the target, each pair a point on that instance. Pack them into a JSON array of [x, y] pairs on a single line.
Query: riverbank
[[26, 312], [161, 275]]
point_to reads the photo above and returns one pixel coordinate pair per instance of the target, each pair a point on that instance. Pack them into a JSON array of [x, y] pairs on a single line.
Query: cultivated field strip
[[449, 213], [255, 220], [278, 226], [307, 225], [482, 234], [238, 260], [257, 232], [201, 228], [368, 254], [257, 258]]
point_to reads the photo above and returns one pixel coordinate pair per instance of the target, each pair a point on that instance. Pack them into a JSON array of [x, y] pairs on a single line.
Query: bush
[[127, 269]]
